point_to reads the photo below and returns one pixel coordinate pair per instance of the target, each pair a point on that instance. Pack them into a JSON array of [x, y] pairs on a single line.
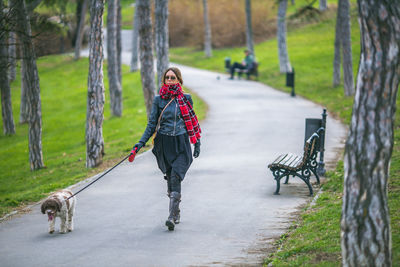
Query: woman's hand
[[196, 152], [138, 146]]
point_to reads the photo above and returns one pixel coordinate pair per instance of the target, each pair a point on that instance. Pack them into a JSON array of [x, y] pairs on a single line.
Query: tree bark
[[6, 105], [345, 37], [162, 47], [23, 114], [12, 57], [135, 43], [207, 31], [323, 5], [79, 35], [146, 52], [249, 28], [284, 64], [112, 56], [119, 45], [31, 80], [365, 223], [96, 98], [338, 46]]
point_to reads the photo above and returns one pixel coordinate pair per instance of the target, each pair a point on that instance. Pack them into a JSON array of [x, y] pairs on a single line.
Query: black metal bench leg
[[307, 181], [287, 179], [278, 186], [316, 175]]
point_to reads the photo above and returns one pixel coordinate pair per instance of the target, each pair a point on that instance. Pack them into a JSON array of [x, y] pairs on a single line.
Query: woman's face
[[170, 78]]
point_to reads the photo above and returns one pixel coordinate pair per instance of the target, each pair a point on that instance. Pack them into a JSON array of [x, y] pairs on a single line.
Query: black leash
[[98, 178]]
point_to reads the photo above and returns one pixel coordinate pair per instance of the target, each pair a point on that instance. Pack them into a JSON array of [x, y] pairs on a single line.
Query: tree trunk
[[284, 64], [323, 5], [112, 56], [365, 223], [146, 52], [161, 16], [31, 80], [23, 110], [6, 106], [345, 37], [338, 46], [79, 35], [95, 100], [249, 28], [12, 57], [207, 31], [119, 45], [135, 43]]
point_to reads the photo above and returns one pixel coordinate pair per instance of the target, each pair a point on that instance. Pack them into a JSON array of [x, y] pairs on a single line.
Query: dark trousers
[[236, 65], [173, 182]]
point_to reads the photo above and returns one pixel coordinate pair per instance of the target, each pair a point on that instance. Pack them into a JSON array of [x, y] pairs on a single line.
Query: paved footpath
[[229, 213]]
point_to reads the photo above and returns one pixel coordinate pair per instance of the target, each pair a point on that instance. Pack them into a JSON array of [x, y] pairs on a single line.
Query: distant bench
[[253, 70], [300, 166]]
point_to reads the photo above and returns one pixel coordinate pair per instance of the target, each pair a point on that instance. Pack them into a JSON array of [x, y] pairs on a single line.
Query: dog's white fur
[[58, 205]]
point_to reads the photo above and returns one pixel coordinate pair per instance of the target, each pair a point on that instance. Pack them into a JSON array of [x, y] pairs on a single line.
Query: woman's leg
[[174, 200]]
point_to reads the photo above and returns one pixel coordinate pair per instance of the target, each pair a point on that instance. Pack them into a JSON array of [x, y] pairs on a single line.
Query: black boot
[[174, 200]]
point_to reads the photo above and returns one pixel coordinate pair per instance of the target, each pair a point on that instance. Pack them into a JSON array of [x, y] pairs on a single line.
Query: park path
[[229, 213]]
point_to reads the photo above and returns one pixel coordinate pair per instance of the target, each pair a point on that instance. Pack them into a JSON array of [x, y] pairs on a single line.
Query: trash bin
[[227, 63], [290, 78], [312, 125]]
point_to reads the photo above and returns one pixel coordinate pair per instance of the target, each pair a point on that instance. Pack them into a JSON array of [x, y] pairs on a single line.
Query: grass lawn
[[63, 83], [315, 238]]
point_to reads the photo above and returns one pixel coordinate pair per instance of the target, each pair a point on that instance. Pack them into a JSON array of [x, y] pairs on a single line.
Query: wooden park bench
[[251, 71], [300, 166]]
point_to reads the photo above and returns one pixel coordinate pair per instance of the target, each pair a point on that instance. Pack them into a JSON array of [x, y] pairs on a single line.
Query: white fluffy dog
[[58, 205]]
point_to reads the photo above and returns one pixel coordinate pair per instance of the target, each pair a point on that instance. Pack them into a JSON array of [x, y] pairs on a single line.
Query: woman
[[175, 125]]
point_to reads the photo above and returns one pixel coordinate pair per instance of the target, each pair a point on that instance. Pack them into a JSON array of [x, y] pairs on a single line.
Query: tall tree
[[249, 28], [79, 34], [161, 19], [12, 55], [135, 43], [365, 223], [146, 52], [323, 5], [343, 43], [338, 45], [348, 79], [31, 80], [119, 44], [6, 106], [96, 98], [207, 31], [112, 56], [23, 109], [284, 63]]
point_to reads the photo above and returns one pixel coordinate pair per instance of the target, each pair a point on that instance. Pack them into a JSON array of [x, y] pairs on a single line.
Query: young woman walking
[[175, 125]]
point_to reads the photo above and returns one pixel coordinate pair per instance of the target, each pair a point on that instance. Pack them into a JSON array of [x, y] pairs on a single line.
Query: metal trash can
[[290, 81], [312, 125], [290, 78], [227, 63]]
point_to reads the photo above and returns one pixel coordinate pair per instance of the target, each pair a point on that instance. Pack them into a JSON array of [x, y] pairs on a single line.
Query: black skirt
[[173, 154]]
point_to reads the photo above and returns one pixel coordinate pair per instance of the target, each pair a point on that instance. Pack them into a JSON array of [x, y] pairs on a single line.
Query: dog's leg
[[51, 225], [64, 219], [71, 219]]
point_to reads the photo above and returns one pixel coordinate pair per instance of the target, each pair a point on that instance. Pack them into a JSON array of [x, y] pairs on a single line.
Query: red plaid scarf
[[189, 117]]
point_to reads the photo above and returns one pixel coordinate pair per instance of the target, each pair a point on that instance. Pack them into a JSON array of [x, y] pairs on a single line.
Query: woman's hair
[[177, 73]]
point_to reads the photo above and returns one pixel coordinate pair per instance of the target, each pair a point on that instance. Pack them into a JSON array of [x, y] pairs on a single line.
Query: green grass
[[63, 83], [315, 238]]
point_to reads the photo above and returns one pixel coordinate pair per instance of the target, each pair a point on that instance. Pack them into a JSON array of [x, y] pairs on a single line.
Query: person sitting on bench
[[248, 63]]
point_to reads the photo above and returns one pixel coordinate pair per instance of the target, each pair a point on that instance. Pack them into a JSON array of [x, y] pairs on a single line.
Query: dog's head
[[50, 207]]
